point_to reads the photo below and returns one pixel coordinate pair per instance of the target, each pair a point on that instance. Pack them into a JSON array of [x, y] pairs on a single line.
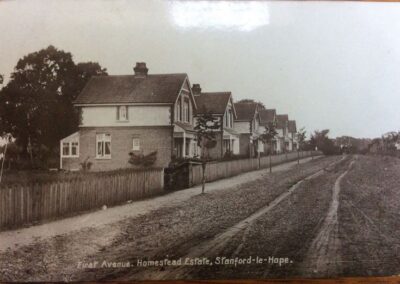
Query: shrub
[[142, 160]]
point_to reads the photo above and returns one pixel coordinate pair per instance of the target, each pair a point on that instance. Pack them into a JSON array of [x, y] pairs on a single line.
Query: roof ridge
[[132, 75], [219, 92]]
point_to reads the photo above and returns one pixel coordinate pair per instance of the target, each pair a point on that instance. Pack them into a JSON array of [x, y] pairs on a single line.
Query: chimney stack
[[196, 90], [140, 70]]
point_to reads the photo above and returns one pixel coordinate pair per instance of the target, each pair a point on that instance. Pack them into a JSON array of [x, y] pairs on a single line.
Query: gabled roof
[[153, 88], [245, 111], [292, 126], [281, 121], [267, 116], [214, 103]]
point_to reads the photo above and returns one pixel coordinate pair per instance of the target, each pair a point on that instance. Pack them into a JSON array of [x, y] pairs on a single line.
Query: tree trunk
[[298, 156], [203, 185], [270, 160]]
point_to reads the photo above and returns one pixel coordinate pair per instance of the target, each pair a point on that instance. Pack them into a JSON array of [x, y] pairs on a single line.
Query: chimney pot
[[140, 69], [196, 89]]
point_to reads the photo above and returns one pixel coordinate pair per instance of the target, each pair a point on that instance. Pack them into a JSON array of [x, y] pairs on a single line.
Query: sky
[[329, 65]]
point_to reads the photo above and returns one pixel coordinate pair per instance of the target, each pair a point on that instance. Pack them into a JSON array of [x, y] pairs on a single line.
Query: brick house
[[139, 114], [268, 117], [220, 105], [283, 140], [247, 124]]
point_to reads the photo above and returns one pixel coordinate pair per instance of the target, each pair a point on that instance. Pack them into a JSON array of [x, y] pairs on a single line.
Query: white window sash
[[135, 144], [101, 141]]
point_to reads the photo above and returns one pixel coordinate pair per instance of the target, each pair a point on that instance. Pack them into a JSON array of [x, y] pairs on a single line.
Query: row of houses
[[146, 113]]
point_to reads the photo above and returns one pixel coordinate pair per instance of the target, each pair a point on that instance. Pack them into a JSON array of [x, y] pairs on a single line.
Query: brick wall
[[151, 139], [71, 164]]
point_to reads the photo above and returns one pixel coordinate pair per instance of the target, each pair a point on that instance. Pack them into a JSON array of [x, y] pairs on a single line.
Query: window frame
[[137, 147], [178, 111], [103, 140], [185, 111], [119, 110], [69, 147]]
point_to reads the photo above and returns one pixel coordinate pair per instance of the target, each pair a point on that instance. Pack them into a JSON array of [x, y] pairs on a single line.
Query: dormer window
[[122, 113]]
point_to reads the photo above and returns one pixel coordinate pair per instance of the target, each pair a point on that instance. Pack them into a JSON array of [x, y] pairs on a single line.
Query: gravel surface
[[347, 217], [165, 231]]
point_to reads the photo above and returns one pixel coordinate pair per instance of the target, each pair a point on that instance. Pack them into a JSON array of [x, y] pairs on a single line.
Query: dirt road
[[334, 216]]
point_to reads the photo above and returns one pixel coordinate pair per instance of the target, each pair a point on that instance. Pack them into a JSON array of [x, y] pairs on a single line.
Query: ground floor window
[[103, 146], [227, 145], [195, 150], [70, 149], [135, 144], [177, 148]]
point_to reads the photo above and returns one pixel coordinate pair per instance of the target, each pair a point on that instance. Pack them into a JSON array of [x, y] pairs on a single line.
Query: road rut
[[324, 257]]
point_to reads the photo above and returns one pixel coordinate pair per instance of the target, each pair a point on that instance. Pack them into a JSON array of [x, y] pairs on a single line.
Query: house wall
[[242, 126], [71, 164], [236, 146], [244, 144], [99, 116], [215, 153], [151, 139]]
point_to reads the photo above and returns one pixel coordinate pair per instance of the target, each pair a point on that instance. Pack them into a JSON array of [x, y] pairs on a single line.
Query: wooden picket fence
[[225, 169], [22, 204]]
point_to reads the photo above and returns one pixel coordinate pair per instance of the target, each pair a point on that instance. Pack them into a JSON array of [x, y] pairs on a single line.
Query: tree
[[389, 141], [260, 104], [206, 126], [320, 140], [36, 105], [301, 137], [1, 79], [268, 137]]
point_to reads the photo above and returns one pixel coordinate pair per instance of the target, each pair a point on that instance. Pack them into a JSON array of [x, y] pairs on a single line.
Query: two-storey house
[[220, 105], [282, 136], [247, 125], [267, 119], [137, 114], [292, 130]]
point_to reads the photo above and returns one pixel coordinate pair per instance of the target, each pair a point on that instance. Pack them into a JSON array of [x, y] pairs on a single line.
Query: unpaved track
[[217, 244], [92, 220], [154, 235], [342, 221], [324, 255]]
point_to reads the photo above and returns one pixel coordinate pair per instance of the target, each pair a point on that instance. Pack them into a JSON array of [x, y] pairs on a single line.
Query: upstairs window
[[186, 110], [103, 146], [122, 113], [178, 111], [228, 119]]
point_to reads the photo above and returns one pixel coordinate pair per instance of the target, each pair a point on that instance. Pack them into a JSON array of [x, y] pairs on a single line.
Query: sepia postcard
[[199, 140]]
